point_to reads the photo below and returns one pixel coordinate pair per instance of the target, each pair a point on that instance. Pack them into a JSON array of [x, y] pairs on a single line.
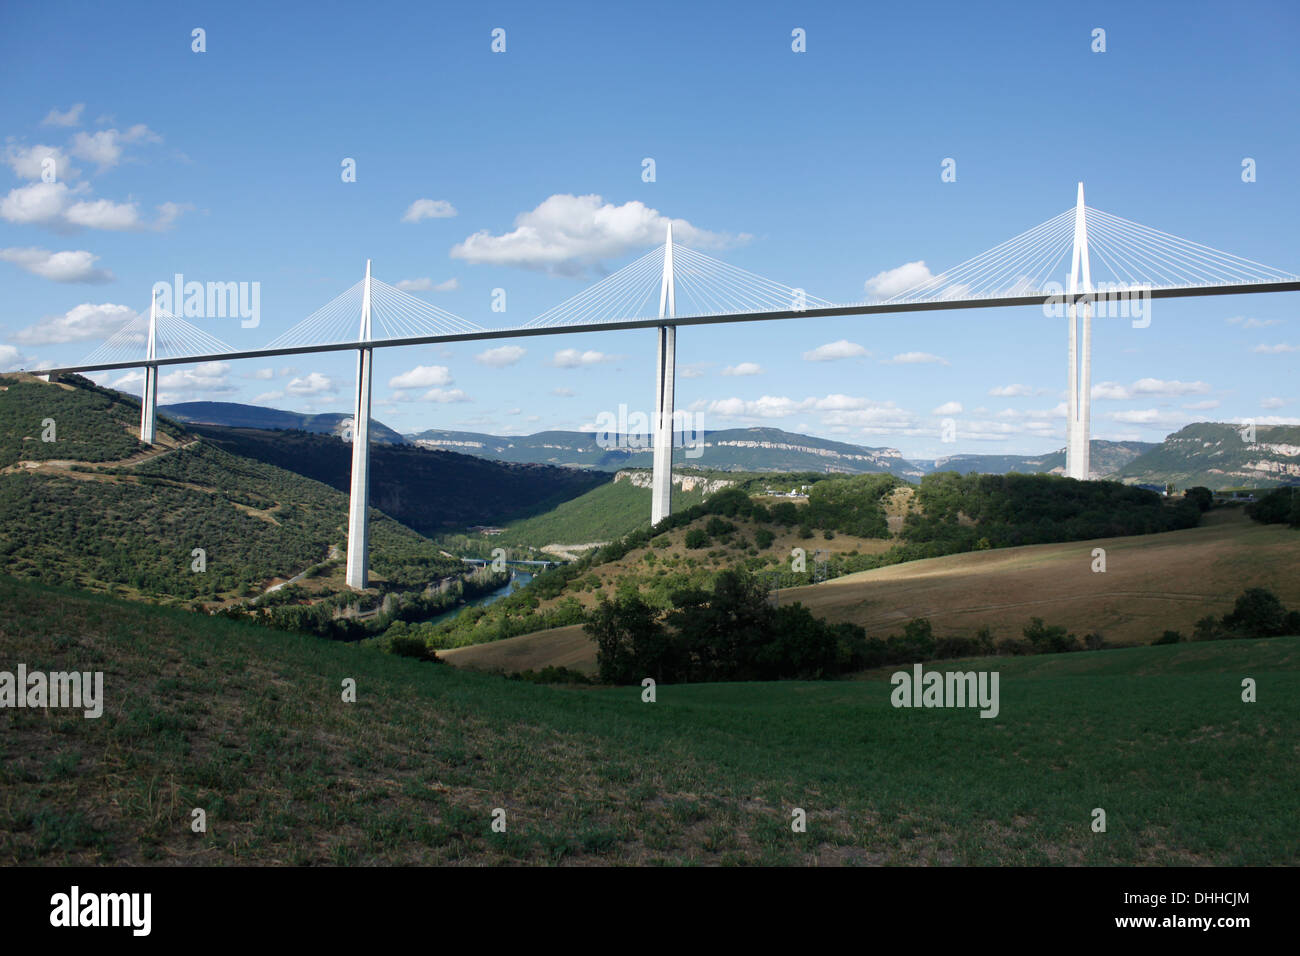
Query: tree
[[1200, 496], [1257, 613], [631, 643]]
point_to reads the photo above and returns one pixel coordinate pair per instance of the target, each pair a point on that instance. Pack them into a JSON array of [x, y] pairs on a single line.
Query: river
[[517, 580]]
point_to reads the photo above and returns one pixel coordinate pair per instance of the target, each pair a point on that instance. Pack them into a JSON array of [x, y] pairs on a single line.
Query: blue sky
[[819, 169]]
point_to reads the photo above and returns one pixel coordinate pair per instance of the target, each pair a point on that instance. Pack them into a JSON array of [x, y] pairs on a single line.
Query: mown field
[[1152, 582], [249, 725]]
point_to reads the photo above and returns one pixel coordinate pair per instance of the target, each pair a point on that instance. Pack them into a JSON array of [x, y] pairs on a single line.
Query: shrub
[[697, 538], [1168, 637], [1049, 640], [1257, 613], [763, 538]]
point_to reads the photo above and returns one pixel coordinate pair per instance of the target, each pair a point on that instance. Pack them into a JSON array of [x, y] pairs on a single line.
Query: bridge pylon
[[661, 479], [149, 399], [1078, 424], [358, 566]]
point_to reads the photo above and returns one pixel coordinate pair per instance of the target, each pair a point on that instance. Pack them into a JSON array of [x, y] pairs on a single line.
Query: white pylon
[[358, 568], [661, 478], [1079, 400], [149, 400]]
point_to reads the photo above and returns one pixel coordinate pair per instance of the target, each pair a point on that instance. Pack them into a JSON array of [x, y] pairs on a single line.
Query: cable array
[[702, 285], [174, 337], [1134, 254], [395, 314], [1122, 254]]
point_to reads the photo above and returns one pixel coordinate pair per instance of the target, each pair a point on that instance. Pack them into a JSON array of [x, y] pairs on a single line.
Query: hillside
[[733, 449], [608, 511], [1153, 583], [1106, 457], [248, 725], [236, 415], [430, 491], [1217, 457], [96, 509]]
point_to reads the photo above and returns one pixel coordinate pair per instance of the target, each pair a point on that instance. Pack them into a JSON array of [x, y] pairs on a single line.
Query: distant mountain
[[1217, 456], [235, 415], [732, 449], [1107, 457]]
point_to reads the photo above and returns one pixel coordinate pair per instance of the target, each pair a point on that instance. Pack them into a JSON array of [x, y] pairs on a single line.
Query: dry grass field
[[556, 647], [1152, 583]]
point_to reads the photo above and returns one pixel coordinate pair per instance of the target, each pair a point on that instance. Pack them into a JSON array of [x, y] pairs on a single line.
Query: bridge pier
[[358, 565], [149, 398], [661, 479], [1078, 424]]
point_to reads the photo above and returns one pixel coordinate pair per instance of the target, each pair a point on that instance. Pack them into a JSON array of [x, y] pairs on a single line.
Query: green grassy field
[[602, 514], [248, 724]]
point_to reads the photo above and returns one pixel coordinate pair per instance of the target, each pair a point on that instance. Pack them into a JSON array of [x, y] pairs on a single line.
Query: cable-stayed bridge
[[1113, 264]]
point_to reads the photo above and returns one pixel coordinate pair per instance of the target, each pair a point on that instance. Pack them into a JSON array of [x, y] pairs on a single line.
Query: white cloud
[[1148, 386], [82, 322], [831, 351], [915, 358], [891, 282], [1246, 323], [841, 410], [743, 368], [51, 204], [429, 209], [1204, 406], [948, 408], [205, 377], [422, 376], [106, 146], [11, 358], [445, 396], [500, 356], [1278, 349], [1272, 403], [1040, 414], [78, 266], [314, 383], [1146, 416], [35, 203], [562, 393], [427, 285], [573, 235], [168, 213], [261, 374], [71, 118], [29, 163], [839, 403], [1011, 391], [104, 214], [267, 397], [572, 358]]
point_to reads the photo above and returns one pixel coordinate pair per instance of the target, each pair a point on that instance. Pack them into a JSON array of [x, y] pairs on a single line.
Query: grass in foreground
[[248, 724]]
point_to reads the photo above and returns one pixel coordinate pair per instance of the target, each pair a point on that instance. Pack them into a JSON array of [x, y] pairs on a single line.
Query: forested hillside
[[131, 522], [430, 491]]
